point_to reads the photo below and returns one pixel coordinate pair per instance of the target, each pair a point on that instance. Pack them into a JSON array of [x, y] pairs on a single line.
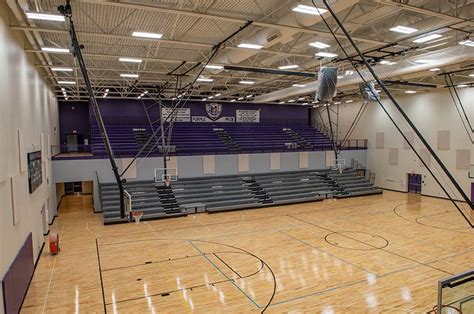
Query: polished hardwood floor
[[371, 254]]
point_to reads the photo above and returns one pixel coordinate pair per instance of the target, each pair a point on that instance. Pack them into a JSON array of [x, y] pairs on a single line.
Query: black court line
[[235, 272], [348, 248], [385, 250], [151, 262], [100, 274]]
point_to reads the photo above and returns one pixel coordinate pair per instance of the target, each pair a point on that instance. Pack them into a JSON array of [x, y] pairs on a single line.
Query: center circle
[[355, 240]]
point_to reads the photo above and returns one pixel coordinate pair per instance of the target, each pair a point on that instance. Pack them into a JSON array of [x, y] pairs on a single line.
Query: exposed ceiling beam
[[148, 7]]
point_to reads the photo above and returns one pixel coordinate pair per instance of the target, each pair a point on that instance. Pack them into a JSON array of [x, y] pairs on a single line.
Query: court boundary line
[[235, 272], [100, 275]]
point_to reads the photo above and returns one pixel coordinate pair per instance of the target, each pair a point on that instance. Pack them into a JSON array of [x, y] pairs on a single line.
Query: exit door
[[72, 142], [414, 183]]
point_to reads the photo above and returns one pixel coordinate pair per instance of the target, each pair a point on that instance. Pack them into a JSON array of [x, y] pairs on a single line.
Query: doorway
[[414, 183], [72, 141]]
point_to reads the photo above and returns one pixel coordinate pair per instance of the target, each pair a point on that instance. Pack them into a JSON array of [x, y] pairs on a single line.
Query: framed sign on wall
[[35, 172]]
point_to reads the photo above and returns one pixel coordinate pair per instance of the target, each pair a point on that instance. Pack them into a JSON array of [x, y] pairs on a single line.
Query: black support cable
[[354, 124], [402, 112], [459, 112], [460, 102], [66, 10]]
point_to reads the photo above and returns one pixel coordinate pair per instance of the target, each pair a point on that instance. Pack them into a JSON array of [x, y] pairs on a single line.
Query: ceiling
[[191, 28]]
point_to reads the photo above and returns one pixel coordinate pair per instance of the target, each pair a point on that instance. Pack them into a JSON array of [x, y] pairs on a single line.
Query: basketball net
[[136, 214]]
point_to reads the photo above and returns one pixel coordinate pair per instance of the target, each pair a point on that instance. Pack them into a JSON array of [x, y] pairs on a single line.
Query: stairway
[[227, 140], [257, 190], [167, 199], [141, 136], [302, 143]]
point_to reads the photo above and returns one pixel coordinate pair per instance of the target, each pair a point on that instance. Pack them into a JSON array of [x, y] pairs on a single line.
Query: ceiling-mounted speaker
[[327, 79], [368, 91]]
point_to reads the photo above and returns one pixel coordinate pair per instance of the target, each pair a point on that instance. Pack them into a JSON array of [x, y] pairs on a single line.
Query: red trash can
[[54, 243]]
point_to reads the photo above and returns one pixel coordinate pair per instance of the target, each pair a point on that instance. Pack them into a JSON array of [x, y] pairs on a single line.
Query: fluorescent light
[[435, 69], [217, 95], [63, 89], [471, 75], [67, 82], [291, 100], [386, 62], [424, 61], [410, 92], [299, 85], [62, 69], [349, 101], [233, 100], [281, 102], [204, 99], [349, 72], [287, 67], [210, 97], [204, 79], [66, 98], [247, 82], [145, 92], [213, 66], [427, 38], [461, 85], [141, 95], [319, 45], [250, 46], [467, 42], [309, 10], [240, 98], [340, 76], [45, 16], [326, 54], [336, 103], [129, 75], [147, 35], [305, 104], [403, 29], [53, 49], [301, 98], [249, 96], [133, 60], [106, 90]]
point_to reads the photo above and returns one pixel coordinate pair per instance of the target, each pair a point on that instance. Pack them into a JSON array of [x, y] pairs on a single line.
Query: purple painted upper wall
[[73, 116], [132, 112]]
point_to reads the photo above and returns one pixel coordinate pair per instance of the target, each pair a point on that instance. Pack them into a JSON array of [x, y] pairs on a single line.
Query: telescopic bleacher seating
[[224, 193]]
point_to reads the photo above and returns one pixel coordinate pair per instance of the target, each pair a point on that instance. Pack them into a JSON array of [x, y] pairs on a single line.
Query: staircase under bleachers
[[233, 192], [228, 140]]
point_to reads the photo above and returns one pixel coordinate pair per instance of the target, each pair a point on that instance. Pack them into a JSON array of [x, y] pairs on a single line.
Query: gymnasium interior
[[297, 156]]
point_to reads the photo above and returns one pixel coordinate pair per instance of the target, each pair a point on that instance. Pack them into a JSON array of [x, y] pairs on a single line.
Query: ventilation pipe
[[269, 37]]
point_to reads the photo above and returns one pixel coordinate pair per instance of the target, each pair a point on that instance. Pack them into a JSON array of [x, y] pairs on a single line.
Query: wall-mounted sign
[[179, 114], [207, 119], [248, 116], [35, 171]]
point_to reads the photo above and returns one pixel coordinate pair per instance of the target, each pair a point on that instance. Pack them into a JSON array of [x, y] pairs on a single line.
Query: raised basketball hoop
[[167, 182], [136, 215]]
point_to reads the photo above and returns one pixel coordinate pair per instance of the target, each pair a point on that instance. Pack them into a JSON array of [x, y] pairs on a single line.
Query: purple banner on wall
[[132, 112]]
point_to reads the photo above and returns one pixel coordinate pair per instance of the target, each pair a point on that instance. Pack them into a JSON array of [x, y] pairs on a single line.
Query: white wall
[[26, 103], [431, 112]]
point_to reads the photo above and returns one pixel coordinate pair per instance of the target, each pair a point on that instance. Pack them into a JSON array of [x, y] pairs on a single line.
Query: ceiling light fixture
[[145, 92], [403, 29], [55, 50], [427, 38], [214, 66], [67, 82], [319, 45], [467, 42], [288, 67], [147, 35], [340, 76], [471, 75], [130, 75], [387, 62], [133, 60], [410, 92], [326, 54], [106, 90], [349, 101], [299, 85], [233, 100], [249, 96], [250, 46], [291, 100], [205, 79], [461, 85], [309, 10], [217, 95], [435, 69], [62, 69], [241, 98], [244, 82], [45, 16], [424, 61]]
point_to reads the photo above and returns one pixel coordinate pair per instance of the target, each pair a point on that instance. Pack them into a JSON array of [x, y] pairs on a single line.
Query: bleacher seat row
[[224, 193], [199, 139]]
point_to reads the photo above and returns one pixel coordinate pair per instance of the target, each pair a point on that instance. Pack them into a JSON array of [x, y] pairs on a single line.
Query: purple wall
[[132, 112], [73, 116], [17, 278]]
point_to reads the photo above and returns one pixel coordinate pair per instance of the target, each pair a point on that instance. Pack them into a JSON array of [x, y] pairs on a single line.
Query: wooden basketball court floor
[[371, 254]]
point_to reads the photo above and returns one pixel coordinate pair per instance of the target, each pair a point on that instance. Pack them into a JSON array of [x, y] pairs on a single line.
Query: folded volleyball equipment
[[327, 79], [368, 91]]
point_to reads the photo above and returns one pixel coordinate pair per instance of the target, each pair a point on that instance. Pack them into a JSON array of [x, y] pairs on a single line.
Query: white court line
[[52, 272]]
